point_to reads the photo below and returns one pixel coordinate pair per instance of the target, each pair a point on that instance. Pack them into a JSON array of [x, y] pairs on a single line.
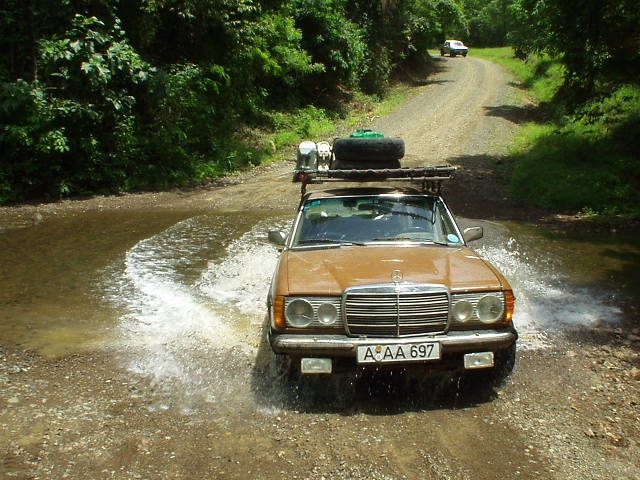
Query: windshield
[[377, 218]]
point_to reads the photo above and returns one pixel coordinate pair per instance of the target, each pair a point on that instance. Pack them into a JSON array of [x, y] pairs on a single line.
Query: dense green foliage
[[488, 22], [582, 63], [597, 40], [103, 96], [113, 95]]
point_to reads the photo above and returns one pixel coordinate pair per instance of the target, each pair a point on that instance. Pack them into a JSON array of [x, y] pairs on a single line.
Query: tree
[[398, 33], [110, 95], [453, 22], [332, 40], [598, 39], [489, 22], [71, 129]]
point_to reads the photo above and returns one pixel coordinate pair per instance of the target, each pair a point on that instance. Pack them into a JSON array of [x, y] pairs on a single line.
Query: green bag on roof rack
[[366, 133]]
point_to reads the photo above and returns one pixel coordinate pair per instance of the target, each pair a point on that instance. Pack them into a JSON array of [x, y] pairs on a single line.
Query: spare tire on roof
[[368, 151]]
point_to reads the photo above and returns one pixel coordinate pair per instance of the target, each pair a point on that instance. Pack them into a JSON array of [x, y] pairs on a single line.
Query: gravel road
[[569, 411]]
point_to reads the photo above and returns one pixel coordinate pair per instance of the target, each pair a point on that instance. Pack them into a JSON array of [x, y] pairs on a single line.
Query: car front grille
[[396, 310]]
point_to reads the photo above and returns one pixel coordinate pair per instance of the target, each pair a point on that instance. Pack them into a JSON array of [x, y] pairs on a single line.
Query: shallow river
[[180, 295]]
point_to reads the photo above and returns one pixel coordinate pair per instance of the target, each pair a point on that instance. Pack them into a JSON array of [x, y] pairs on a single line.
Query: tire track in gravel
[[448, 117]]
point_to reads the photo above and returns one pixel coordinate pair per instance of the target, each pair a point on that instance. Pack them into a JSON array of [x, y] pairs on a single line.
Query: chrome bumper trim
[[343, 346]]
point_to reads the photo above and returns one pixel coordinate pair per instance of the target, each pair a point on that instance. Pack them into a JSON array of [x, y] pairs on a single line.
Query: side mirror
[[472, 233], [277, 238]]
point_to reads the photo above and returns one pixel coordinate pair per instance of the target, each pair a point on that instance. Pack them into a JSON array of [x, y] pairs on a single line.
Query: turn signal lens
[[278, 313], [509, 301]]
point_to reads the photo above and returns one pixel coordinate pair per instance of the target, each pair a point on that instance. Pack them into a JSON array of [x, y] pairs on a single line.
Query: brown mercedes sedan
[[383, 278]]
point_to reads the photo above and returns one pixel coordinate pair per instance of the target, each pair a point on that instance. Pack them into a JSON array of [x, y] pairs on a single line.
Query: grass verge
[[579, 159], [541, 77]]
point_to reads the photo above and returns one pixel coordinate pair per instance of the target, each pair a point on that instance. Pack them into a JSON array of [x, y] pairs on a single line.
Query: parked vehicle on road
[[453, 48]]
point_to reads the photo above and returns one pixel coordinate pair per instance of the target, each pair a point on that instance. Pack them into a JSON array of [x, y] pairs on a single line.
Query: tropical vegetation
[[107, 96]]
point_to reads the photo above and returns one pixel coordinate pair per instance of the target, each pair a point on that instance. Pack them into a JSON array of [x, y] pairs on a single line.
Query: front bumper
[[297, 345]]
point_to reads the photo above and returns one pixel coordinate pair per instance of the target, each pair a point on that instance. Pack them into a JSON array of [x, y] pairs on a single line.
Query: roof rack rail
[[431, 177]]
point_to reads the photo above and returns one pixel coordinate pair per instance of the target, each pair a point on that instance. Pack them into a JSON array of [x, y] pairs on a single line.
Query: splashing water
[[184, 313], [193, 295], [547, 301], [239, 282]]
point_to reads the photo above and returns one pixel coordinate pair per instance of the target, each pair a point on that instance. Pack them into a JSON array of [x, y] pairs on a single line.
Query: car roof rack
[[365, 156], [431, 177]]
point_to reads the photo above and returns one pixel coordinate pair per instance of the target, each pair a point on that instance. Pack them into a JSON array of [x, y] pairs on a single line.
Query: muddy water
[[59, 279], [50, 296], [565, 280], [180, 295]]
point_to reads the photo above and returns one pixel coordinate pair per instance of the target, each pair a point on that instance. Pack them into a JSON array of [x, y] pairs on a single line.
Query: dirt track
[[569, 411]]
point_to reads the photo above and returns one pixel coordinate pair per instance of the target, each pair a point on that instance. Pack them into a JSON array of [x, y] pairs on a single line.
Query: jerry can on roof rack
[[366, 133], [307, 158]]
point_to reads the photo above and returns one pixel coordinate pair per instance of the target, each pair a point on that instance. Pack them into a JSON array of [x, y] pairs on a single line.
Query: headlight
[[327, 314], [476, 308], [299, 313], [462, 311], [314, 312], [490, 309]]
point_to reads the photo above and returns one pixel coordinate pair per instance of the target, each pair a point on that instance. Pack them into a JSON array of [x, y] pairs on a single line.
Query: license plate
[[407, 352]]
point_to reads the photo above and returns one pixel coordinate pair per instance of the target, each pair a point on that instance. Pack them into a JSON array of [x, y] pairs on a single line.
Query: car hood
[[328, 271]]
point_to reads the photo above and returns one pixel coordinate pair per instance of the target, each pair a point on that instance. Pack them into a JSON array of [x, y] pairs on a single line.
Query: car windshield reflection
[[348, 220]]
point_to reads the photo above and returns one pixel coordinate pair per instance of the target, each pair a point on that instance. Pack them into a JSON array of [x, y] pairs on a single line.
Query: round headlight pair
[[488, 309], [300, 313]]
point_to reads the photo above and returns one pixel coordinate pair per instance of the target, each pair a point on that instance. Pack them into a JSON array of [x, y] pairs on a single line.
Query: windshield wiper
[[398, 238], [401, 238], [331, 241]]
